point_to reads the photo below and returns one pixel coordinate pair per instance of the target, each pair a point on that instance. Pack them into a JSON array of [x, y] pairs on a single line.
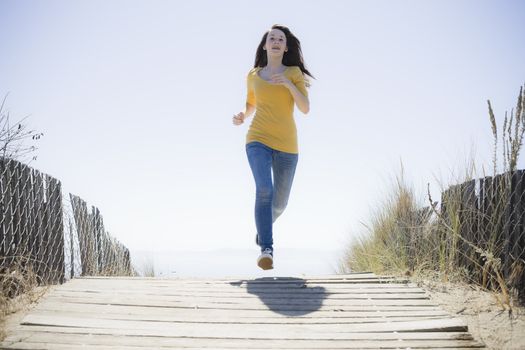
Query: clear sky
[[135, 100]]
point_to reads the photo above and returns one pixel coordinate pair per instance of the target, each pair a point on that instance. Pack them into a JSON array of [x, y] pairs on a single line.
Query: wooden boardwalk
[[357, 311]]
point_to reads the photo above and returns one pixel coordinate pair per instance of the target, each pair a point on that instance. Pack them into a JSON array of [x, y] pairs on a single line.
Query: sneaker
[[265, 260]]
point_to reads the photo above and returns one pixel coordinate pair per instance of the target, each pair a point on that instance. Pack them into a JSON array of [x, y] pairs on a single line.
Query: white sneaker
[[265, 260]]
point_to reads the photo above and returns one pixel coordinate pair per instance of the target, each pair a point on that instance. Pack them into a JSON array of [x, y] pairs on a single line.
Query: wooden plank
[[265, 281], [283, 332], [181, 286], [362, 283], [288, 331], [241, 278], [117, 343], [256, 289], [225, 297], [298, 294], [287, 309], [26, 331], [230, 279], [230, 319], [237, 302], [231, 313], [242, 290]]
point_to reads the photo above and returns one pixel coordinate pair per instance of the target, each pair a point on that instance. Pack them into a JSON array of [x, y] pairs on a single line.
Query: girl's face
[[275, 42]]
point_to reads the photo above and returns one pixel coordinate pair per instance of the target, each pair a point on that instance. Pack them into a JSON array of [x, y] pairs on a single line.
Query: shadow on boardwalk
[[288, 296]]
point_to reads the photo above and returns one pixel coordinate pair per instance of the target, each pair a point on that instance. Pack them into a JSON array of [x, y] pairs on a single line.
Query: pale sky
[[135, 100]]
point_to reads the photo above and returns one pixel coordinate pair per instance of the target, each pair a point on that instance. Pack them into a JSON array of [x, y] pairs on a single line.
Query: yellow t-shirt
[[273, 123]]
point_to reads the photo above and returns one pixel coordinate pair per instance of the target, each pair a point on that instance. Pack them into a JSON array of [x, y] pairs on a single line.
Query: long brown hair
[[292, 57]]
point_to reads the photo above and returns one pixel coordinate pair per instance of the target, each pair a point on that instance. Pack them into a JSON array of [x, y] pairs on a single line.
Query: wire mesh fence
[[46, 238], [100, 253]]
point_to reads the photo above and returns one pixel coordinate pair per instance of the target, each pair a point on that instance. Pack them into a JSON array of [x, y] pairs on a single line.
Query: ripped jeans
[[271, 197]]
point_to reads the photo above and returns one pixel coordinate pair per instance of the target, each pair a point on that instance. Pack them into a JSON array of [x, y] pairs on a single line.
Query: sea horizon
[[234, 262]]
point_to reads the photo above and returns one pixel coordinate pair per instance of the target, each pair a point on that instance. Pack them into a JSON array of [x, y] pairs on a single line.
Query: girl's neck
[[274, 64]]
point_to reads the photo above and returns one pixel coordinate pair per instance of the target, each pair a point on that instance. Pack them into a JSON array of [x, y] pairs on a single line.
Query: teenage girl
[[274, 85]]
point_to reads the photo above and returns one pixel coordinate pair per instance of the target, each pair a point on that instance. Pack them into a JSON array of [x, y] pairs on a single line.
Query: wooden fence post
[[468, 224], [519, 247], [57, 231], [71, 249]]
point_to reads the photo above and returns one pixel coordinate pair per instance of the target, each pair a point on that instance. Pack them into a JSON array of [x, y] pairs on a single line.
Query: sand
[[489, 321]]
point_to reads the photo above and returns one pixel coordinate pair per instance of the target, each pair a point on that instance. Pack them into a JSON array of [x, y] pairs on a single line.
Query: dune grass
[[21, 286], [403, 236]]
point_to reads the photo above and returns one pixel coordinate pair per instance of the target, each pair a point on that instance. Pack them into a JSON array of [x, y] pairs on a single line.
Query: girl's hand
[[280, 79], [238, 119]]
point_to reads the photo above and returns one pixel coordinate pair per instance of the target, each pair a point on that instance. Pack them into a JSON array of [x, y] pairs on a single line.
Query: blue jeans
[[271, 198]]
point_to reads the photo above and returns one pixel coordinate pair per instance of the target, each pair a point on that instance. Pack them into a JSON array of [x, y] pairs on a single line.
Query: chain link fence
[[46, 238]]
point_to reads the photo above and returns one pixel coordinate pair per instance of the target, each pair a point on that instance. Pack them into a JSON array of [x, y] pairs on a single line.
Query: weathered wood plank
[[231, 313], [245, 295], [351, 276], [204, 318], [243, 289], [176, 283], [308, 305], [26, 331], [288, 331], [257, 334], [261, 345], [384, 280], [174, 299], [160, 280], [341, 298], [262, 308]]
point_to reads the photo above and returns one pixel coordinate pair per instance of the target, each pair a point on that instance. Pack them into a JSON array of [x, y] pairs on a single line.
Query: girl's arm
[[249, 110], [239, 118], [302, 102]]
